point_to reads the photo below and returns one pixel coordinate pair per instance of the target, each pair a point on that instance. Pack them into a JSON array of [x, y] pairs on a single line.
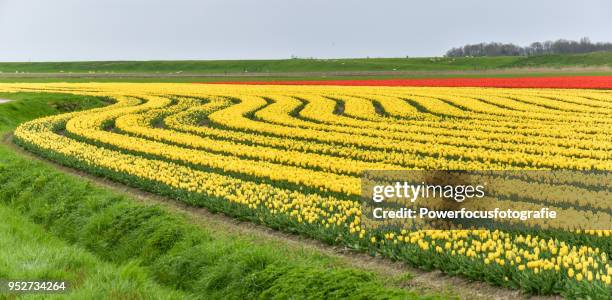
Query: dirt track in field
[[421, 281]]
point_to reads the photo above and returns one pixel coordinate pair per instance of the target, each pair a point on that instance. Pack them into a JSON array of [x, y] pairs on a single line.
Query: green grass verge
[[313, 65], [28, 252], [158, 247]]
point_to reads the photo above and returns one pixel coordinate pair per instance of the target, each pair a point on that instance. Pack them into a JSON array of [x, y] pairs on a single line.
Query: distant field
[[571, 82], [221, 67]]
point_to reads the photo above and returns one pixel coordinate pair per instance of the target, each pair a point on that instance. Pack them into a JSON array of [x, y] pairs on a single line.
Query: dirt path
[[4, 101], [422, 281]]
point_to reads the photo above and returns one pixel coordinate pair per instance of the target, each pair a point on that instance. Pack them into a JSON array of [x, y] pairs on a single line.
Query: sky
[[73, 30]]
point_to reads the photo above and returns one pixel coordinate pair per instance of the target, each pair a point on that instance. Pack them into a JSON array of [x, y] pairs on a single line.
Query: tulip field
[[291, 157], [569, 82]]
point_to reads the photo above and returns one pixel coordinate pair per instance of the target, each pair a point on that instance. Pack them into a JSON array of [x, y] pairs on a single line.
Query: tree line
[[560, 46]]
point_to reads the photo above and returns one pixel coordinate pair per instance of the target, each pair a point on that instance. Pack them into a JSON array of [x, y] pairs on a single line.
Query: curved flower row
[[292, 157]]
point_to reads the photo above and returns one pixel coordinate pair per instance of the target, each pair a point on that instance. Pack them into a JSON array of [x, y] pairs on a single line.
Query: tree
[[561, 46]]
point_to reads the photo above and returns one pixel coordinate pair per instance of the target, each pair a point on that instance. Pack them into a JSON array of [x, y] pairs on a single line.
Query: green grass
[[254, 66], [154, 252], [28, 106], [558, 61], [28, 252], [311, 65]]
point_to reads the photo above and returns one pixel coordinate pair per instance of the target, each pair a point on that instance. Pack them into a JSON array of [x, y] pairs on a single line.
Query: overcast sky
[[59, 30]]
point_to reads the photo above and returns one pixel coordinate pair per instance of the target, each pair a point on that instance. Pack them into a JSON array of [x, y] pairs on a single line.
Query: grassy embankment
[[262, 66], [598, 63], [109, 246]]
